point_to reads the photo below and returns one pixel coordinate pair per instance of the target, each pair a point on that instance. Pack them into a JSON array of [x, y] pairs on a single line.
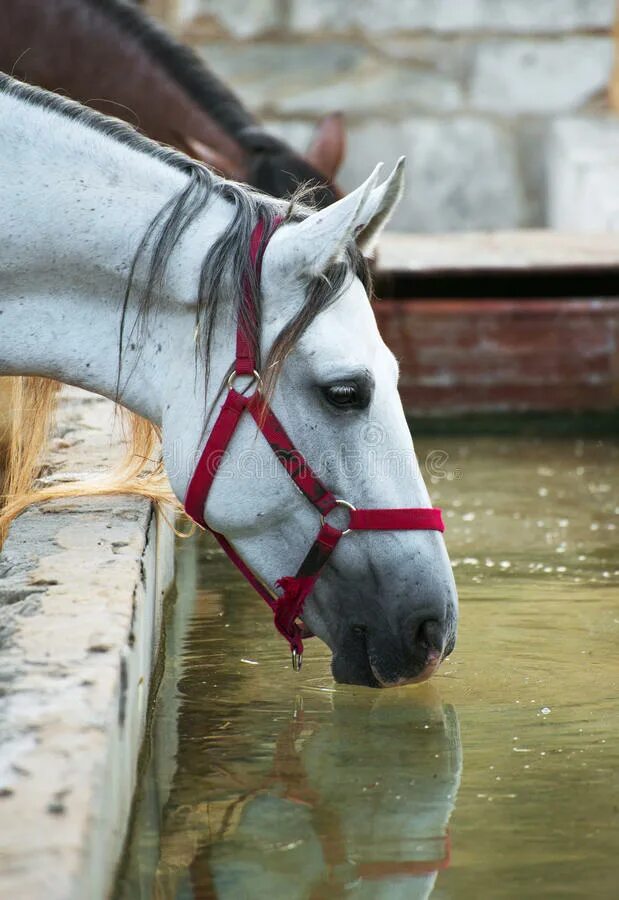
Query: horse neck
[[75, 205], [51, 45]]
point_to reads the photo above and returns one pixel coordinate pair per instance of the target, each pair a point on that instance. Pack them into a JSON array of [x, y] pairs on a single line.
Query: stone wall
[[467, 89]]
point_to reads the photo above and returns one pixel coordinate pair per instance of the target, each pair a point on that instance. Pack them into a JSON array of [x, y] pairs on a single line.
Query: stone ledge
[[81, 590], [527, 250]]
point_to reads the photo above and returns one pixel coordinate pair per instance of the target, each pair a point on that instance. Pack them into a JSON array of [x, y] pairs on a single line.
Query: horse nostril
[[430, 635], [359, 630]]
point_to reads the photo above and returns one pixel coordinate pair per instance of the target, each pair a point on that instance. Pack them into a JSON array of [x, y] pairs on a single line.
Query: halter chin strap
[[294, 590]]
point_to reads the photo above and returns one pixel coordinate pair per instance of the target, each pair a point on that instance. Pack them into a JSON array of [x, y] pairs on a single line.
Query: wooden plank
[[467, 356], [525, 250]]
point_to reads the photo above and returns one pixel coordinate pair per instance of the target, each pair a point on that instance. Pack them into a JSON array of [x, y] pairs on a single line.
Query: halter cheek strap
[[294, 590]]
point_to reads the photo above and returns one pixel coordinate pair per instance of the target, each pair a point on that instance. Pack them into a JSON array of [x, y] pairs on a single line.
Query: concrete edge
[[82, 584]]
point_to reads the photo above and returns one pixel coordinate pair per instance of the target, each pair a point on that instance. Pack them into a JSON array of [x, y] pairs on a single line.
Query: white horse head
[[386, 602]]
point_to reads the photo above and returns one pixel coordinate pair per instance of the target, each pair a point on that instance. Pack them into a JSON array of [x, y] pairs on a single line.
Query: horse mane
[[192, 74], [272, 163], [182, 63], [224, 278]]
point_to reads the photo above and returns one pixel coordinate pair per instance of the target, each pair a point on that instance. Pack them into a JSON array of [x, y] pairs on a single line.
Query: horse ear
[[379, 208], [214, 160], [310, 246], [307, 248], [328, 145]]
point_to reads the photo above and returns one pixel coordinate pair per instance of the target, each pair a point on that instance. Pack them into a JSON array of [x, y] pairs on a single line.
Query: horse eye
[[346, 396]]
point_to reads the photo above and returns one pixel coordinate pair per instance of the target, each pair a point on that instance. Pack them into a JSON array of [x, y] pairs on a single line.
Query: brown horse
[[111, 55]]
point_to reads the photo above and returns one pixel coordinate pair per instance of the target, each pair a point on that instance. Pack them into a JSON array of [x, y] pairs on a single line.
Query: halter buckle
[[297, 660], [254, 378], [347, 505]]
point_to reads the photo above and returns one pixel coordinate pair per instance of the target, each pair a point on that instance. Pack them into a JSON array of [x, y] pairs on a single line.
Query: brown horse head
[[274, 167]]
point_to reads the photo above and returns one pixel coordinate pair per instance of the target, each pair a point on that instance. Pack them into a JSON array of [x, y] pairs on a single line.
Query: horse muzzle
[[383, 661]]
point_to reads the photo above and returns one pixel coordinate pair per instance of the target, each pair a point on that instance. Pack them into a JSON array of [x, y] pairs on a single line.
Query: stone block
[[583, 175], [452, 56], [309, 80], [449, 16], [462, 172], [238, 18], [544, 76]]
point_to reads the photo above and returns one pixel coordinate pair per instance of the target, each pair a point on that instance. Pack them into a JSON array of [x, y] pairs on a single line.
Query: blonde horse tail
[[33, 404]]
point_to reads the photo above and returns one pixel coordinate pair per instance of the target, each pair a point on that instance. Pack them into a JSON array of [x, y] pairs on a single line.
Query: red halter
[[288, 606]]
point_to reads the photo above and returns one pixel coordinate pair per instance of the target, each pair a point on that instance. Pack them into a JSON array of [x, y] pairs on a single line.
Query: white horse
[[122, 268]]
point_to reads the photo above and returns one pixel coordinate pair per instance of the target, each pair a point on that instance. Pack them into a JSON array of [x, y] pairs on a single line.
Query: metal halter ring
[[347, 505], [255, 377], [297, 660]]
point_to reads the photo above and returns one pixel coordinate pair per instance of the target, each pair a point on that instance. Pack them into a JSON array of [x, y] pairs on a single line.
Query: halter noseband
[[288, 606]]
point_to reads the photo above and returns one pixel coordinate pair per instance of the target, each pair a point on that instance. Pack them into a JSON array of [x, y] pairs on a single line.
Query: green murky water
[[500, 779]]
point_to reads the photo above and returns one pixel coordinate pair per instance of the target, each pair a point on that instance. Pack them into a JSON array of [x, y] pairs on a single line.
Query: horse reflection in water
[[355, 798], [359, 802]]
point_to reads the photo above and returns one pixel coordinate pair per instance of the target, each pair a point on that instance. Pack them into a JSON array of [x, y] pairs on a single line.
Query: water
[[499, 779]]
